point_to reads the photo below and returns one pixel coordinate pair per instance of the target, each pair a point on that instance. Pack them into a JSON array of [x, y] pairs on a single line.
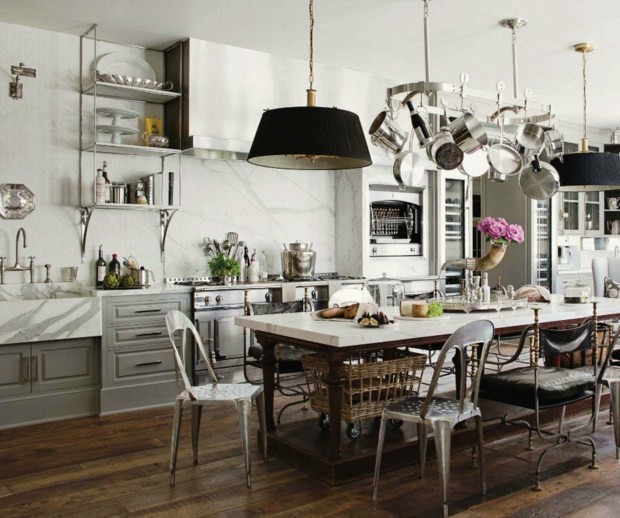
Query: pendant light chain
[[585, 136], [311, 76]]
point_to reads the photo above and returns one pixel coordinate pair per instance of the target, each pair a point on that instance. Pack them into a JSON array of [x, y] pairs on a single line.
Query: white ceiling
[[382, 37]]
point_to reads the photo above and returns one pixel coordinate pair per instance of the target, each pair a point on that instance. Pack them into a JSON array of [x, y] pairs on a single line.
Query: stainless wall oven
[[395, 221]]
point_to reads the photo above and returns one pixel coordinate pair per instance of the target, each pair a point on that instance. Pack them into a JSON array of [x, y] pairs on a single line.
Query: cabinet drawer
[[119, 312], [135, 365], [147, 333]]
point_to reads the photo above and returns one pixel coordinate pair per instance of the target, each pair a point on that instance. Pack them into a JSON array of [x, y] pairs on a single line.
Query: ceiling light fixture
[[310, 137], [585, 170]]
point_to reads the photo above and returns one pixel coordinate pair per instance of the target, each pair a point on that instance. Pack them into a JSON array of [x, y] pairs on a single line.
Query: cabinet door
[[14, 369], [593, 217], [571, 214], [64, 364]]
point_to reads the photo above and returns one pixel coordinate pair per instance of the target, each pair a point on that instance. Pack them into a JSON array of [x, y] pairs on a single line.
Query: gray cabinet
[[42, 381], [138, 367]]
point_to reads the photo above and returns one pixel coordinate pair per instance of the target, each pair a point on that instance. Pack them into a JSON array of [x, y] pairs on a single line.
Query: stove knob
[[374, 250], [218, 299], [268, 297], [313, 295], [207, 300]]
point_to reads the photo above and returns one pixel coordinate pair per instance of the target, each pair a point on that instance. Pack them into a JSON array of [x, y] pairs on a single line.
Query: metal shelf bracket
[[165, 216], [85, 214]]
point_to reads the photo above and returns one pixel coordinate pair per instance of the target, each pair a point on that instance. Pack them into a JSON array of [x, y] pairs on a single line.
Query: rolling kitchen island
[[322, 453]]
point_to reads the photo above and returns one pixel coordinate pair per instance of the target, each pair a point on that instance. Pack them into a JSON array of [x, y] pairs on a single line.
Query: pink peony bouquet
[[500, 231]]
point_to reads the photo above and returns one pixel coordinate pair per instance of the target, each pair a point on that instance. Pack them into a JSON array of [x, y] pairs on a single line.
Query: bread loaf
[[351, 311], [332, 313], [414, 308]]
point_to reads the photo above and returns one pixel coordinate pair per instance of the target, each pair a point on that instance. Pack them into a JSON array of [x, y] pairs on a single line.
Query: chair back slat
[[474, 337], [178, 328]]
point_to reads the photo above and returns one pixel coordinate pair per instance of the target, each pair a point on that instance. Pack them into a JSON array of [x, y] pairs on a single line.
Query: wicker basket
[[369, 386]]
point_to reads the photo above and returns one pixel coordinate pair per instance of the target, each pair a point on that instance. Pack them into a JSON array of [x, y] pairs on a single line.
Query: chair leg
[[614, 392], [422, 442], [375, 483], [196, 417], [174, 447], [244, 407], [443, 437], [480, 434], [262, 422], [561, 424]]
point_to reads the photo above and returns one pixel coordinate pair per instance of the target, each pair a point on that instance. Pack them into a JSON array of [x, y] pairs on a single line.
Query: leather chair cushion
[[555, 385]]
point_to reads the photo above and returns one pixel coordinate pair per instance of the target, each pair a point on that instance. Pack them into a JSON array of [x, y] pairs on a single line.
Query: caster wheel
[[323, 421], [396, 423], [354, 430]]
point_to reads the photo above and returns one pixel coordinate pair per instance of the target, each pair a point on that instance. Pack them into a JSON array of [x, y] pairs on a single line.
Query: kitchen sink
[[47, 311]]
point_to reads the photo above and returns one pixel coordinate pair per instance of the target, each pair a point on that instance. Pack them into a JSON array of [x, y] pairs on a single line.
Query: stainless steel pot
[[298, 261], [385, 134], [539, 180], [444, 151], [475, 164], [468, 133], [141, 276], [554, 144], [530, 138]]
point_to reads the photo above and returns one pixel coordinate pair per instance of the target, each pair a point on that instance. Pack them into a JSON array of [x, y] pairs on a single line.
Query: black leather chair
[[288, 357], [551, 380]]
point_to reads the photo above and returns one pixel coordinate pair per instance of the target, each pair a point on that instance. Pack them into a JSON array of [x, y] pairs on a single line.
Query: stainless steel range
[[215, 307]]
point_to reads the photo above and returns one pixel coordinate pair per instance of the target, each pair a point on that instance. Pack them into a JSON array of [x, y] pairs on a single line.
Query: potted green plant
[[224, 269]]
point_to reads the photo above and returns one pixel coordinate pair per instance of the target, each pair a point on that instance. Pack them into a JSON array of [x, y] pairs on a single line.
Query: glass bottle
[[115, 266], [100, 265], [107, 182], [486, 289], [99, 188]]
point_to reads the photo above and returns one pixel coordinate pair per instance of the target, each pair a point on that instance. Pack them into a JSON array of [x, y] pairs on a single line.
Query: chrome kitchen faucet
[[16, 267]]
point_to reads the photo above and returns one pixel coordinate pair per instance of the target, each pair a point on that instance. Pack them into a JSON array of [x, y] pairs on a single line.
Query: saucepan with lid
[[408, 169], [298, 261]]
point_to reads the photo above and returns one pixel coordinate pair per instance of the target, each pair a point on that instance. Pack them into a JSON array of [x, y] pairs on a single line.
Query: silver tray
[[495, 305], [16, 201]]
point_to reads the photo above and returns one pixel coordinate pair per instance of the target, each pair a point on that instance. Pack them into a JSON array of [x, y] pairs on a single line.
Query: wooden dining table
[[335, 341]]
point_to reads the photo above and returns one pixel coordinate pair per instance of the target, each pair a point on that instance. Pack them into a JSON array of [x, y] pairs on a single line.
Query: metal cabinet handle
[[25, 373], [143, 364], [153, 333], [34, 368], [148, 310]]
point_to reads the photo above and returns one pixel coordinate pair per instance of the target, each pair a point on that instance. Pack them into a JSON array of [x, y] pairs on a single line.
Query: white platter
[[400, 317], [123, 63]]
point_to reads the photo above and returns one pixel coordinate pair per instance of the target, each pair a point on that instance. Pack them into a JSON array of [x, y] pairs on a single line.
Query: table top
[[301, 326]]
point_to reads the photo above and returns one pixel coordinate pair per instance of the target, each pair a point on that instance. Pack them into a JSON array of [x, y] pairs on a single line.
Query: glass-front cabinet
[[581, 214], [570, 213], [593, 212], [541, 245]]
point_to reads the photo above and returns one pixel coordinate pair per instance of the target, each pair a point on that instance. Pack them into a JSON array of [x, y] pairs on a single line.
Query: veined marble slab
[[42, 312]]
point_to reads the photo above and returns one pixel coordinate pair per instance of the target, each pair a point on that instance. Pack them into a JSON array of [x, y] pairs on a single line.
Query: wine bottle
[[419, 126], [99, 188], [108, 184], [115, 266], [100, 265]]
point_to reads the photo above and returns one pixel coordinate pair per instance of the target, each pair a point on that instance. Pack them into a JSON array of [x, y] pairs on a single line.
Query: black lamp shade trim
[[588, 171], [334, 136]]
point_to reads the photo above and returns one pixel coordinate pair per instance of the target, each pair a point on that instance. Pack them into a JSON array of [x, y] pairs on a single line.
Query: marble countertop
[[343, 334]]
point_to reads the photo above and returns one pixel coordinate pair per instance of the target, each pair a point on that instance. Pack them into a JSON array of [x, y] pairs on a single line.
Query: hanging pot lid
[[539, 180], [504, 159], [408, 169], [475, 164]]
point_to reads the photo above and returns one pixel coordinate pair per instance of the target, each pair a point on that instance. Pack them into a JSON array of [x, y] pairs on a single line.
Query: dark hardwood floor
[[118, 466]]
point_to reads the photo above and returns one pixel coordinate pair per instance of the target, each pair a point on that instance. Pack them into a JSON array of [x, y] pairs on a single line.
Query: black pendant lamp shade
[[588, 171], [309, 137]]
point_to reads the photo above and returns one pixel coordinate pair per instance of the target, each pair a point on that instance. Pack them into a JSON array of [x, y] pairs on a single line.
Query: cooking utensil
[[554, 144], [385, 134], [298, 261], [408, 169], [233, 237], [494, 176], [444, 151], [468, 133], [503, 159], [226, 246], [529, 140], [475, 164], [539, 180]]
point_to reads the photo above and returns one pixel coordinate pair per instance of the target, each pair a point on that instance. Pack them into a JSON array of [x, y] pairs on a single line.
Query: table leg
[[269, 368], [335, 385]]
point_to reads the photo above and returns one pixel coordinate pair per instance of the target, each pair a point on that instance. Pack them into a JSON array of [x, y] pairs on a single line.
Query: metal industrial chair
[[442, 414], [610, 377], [551, 380], [242, 394], [288, 357]]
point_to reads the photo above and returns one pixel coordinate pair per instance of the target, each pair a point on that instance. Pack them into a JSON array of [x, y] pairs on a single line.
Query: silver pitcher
[[298, 261]]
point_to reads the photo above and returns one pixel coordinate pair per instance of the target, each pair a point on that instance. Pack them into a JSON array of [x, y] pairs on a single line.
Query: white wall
[[39, 148]]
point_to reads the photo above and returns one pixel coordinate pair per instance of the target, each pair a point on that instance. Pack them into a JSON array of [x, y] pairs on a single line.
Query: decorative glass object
[[577, 293]]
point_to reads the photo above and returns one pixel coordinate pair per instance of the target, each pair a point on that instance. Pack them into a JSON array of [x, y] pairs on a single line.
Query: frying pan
[[504, 159], [539, 180], [408, 169]]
